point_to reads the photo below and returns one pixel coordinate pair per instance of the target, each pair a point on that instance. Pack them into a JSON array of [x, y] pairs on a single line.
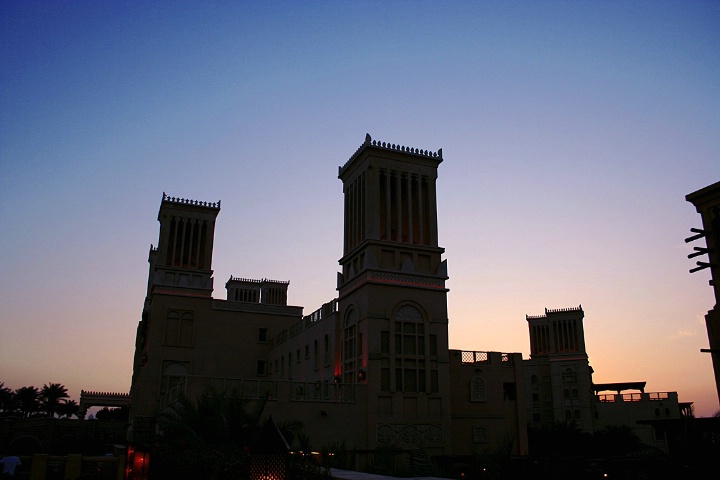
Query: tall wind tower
[[392, 296]]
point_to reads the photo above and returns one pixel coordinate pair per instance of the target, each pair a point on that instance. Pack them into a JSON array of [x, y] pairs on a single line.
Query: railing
[[173, 394], [307, 321], [475, 357], [249, 389], [633, 397], [252, 389], [322, 392]]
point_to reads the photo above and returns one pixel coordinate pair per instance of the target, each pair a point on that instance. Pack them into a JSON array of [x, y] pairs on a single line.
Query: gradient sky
[[571, 133]]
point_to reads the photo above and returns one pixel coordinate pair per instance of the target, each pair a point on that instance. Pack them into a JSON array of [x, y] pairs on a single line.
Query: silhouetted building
[[370, 368], [558, 372], [707, 204]]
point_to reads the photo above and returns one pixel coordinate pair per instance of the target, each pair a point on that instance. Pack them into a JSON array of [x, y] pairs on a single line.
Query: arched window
[[477, 389], [569, 376], [173, 379], [410, 352], [179, 328], [351, 355]]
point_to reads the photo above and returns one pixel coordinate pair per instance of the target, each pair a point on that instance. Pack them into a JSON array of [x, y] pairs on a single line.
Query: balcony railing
[[322, 392], [475, 357], [635, 397]]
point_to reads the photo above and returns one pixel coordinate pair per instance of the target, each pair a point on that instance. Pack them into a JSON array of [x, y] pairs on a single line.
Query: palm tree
[[7, 400], [50, 396], [68, 408], [208, 438], [28, 400]]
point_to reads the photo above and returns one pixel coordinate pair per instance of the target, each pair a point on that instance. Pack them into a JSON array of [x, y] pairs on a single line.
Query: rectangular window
[[509, 392], [307, 351], [434, 381], [433, 345], [179, 328], [384, 341], [478, 434], [409, 345], [261, 367], [410, 380], [262, 335], [385, 379]]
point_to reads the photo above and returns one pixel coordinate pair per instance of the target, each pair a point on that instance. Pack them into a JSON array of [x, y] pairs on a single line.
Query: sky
[[571, 133]]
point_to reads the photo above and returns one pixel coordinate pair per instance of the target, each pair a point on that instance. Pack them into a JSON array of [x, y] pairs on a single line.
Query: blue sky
[[571, 133]]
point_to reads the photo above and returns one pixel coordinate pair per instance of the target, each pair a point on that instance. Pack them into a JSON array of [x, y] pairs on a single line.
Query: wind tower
[[392, 298], [182, 262], [180, 278], [559, 368]]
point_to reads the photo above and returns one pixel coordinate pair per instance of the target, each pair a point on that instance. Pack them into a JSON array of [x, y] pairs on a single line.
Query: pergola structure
[[101, 399], [618, 387]]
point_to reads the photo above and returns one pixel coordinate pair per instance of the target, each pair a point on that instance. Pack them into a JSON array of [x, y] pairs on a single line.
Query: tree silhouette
[[210, 438], [68, 408], [50, 397], [113, 414], [616, 440], [561, 438], [28, 400], [7, 399]]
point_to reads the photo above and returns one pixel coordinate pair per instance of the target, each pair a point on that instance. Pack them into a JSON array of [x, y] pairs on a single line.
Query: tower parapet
[[391, 216], [182, 262], [390, 146], [558, 331], [266, 291]]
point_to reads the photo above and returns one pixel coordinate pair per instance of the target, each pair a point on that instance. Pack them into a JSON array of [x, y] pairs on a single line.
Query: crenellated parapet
[[253, 291], [253, 280], [558, 331], [101, 399], [563, 310], [104, 394], [187, 201], [369, 142], [551, 311]]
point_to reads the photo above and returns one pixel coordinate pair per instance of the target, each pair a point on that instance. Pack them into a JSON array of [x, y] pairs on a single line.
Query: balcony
[[636, 397]]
